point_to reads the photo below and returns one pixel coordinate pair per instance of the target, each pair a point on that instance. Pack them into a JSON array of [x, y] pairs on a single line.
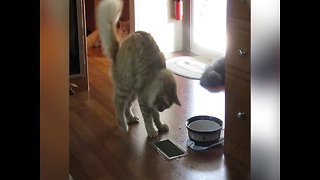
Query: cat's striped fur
[[138, 71]]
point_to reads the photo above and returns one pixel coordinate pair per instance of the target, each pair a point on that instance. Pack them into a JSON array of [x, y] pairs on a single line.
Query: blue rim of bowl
[[204, 117]]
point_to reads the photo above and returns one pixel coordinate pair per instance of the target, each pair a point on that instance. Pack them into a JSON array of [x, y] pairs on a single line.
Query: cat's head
[[125, 27], [167, 92]]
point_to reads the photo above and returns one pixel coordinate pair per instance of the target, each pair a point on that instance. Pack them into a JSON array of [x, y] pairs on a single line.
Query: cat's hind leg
[[120, 101], [160, 126], [131, 118]]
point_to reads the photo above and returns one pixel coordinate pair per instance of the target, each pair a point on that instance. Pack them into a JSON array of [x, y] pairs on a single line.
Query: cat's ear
[[176, 100]]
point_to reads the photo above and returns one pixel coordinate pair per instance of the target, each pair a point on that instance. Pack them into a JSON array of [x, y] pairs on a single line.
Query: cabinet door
[[239, 9], [237, 123], [238, 52], [237, 85]]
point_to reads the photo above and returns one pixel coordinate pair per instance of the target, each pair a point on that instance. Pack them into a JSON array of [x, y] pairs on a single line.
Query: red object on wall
[[178, 6]]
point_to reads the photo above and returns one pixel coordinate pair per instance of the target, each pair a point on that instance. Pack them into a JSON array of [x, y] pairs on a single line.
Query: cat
[[214, 74], [138, 72], [124, 29]]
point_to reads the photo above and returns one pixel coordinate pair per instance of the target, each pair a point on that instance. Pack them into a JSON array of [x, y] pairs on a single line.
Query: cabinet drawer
[[239, 9], [237, 125], [238, 51]]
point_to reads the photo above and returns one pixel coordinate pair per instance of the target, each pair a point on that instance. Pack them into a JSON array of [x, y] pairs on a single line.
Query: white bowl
[[204, 130]]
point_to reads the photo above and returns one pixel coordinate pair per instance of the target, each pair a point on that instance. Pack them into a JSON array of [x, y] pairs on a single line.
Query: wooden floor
[[99, 151]]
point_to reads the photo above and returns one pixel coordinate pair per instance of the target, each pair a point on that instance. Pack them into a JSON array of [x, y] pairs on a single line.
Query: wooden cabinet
[[237, 85]]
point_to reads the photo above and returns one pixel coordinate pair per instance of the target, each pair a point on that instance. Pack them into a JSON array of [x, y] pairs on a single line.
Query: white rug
[[187, 66]]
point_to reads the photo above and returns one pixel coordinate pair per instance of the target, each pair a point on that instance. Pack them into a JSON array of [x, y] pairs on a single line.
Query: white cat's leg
[[147, 116], [120, 101], [161, 126], [131, 118]]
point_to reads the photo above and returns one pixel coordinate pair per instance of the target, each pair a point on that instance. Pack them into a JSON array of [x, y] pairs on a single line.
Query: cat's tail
[[108, 14]]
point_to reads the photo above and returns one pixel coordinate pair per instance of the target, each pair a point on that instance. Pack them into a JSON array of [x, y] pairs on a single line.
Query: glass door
[[208, 27]]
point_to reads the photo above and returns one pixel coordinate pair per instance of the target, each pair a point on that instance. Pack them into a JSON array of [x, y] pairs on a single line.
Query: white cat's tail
[[108, 14]]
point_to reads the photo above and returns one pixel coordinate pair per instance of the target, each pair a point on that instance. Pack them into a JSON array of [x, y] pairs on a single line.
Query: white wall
[[156, 17]]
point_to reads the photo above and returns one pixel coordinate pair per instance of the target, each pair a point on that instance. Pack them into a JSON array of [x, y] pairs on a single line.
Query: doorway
[[208, 27]]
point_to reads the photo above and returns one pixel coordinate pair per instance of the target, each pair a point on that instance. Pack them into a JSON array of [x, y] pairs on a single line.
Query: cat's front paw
[[163, 128], [152, 134]]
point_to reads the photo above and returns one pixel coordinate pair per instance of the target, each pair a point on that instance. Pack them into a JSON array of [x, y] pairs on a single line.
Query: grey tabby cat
[[214, 74], [138, 71]]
